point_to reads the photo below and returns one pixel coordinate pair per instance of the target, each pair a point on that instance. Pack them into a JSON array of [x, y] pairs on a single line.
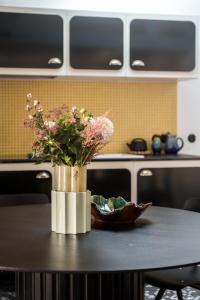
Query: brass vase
[[70, 179]]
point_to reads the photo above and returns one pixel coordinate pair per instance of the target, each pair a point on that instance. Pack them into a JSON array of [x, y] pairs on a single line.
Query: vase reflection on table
[[69, 139]]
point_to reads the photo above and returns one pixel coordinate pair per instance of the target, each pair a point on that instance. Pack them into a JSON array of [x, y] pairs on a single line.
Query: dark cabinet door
[[96, 43], [160, 45], [25, 187], [31, 40], [168, 187], [110, 182]]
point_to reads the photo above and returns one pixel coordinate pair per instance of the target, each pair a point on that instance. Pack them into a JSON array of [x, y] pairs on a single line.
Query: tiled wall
[[137, 109]]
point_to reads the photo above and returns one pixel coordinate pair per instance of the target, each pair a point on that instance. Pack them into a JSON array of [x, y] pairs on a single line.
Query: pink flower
[[51, 126], [72, 120], [58, 111], [102, 127], [29, 96], [41, 134], [36, 102], [28, 107], [28, 123], [97, 132], [74, 112], [74, 109], [39, 108]]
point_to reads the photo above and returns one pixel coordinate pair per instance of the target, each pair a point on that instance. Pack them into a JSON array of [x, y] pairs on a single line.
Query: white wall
[[182, 7], [188, 114], [188, 108]]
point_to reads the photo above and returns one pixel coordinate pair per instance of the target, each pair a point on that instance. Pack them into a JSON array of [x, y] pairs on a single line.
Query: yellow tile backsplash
[[137, 109]]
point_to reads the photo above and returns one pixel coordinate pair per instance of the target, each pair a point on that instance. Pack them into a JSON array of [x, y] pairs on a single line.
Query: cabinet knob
[[42, 175], [115, 62], [54, 60], [138, 63]]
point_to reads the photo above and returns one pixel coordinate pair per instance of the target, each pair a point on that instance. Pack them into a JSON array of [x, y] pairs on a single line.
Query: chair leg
[[160, 294], [179, 294]]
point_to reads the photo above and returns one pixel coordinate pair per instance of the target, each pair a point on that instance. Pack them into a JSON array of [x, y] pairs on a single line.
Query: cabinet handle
[[54, 60], [115, 62], [146, 173], [42, 175], [138, 63]]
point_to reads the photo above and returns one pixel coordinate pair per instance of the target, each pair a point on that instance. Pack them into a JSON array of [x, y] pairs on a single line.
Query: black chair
[[23, 199], [179, 278], [7, 279]]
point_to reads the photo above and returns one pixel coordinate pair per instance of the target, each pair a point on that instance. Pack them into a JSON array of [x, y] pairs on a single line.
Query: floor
[[188, 294], [151, 292]]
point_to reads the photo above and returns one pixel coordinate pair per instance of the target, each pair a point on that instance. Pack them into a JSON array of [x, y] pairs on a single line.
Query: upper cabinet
[[103, 45], [92, 44], [31, 41], [162, 45], [96, 43]]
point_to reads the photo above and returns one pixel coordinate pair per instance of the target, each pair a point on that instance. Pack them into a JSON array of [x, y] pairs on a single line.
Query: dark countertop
[[146, 157], [151, 157]]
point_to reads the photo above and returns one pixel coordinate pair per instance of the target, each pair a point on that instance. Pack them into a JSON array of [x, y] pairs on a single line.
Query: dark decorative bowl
[[121, 217]]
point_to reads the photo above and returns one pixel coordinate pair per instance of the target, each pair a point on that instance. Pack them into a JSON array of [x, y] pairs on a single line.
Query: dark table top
[[161, 238]]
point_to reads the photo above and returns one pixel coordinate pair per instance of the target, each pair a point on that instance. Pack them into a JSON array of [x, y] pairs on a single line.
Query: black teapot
[[173, 144], [138, 144]]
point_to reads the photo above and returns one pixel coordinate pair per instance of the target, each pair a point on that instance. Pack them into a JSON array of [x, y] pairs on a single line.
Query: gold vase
[[70, 179]]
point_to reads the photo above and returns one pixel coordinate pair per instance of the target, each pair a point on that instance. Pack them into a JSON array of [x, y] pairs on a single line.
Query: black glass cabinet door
[[31, 40], [110, 182], [168, 187], [96, 43], [162, 45]]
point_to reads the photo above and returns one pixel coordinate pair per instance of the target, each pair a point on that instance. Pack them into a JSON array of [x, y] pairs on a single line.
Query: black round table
[[101, 264]]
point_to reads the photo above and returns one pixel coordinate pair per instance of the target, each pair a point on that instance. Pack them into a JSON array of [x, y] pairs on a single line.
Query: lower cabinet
[[110, 182], [168, 187], [25, 187]]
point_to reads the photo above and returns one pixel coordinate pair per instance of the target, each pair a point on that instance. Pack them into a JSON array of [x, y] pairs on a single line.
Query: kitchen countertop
[[114, 157]]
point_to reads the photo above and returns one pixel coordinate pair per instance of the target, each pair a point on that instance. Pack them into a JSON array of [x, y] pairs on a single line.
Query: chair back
[[23, 199], [192, 204]]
